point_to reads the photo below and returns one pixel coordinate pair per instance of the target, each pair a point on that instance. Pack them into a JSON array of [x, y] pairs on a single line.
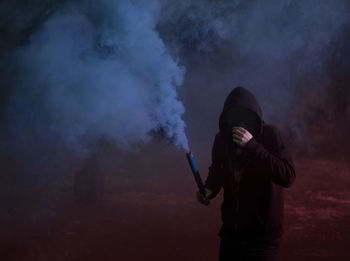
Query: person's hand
[[204, 199], [241, 136]]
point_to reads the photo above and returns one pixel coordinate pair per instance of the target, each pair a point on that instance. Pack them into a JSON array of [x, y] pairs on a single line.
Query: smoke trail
[[95, 69]]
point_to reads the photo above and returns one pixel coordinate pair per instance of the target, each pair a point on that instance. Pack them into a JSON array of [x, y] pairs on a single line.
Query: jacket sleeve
[[278, 163], [214, 179]]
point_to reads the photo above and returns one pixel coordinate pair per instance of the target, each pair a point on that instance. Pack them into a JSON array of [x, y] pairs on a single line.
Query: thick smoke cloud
[[74, 72], [91, 71]]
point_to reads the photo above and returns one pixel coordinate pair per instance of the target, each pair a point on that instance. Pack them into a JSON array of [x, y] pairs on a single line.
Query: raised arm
[[278, 164]]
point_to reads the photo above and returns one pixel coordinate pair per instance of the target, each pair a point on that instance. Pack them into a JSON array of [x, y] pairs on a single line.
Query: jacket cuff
[[251, 144]]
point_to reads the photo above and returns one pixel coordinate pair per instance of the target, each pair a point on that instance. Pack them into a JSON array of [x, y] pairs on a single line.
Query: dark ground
[[155, 216]]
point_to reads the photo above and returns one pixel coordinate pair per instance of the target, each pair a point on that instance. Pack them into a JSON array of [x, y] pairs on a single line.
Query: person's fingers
[[234, 135], [202, 199], [239, 129], [235, 132], [237, 139], [239, 143], [243, 138], [238, 134]]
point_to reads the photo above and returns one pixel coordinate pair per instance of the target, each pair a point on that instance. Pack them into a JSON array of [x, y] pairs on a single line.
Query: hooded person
[[253, 177]]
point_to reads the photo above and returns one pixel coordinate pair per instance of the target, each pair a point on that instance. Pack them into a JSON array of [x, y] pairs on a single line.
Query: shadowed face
[[238, 116]]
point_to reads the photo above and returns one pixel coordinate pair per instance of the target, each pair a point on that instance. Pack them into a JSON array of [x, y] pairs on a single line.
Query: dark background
[[93, 130]]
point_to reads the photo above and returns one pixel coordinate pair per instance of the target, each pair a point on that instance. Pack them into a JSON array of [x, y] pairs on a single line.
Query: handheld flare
[[195, 172]]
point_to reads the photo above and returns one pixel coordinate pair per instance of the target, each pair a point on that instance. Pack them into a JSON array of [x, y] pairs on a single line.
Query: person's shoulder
[[271, 129], [273, 133], [218, 134]]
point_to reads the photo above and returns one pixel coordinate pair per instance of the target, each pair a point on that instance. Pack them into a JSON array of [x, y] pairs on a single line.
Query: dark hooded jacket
[[253, 181]]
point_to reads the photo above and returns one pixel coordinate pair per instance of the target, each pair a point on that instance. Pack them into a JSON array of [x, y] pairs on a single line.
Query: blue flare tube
[[196, 174]]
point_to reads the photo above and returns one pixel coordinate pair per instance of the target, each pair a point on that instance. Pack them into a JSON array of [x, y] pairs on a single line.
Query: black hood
[[242, 100]]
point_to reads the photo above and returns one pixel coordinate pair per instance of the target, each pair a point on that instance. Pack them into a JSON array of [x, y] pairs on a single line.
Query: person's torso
[[253, 204]]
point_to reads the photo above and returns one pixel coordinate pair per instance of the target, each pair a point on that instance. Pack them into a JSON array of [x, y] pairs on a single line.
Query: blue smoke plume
[[92, 70], [74, 72]]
